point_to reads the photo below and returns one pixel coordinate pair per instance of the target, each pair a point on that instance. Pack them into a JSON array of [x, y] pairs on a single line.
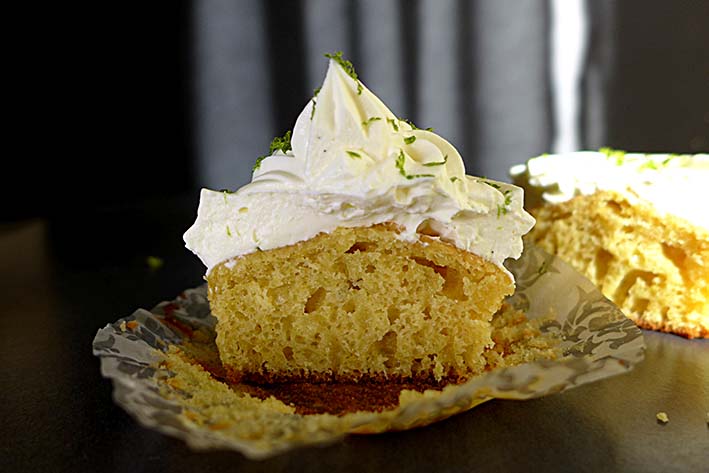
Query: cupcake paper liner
[[597, 341]]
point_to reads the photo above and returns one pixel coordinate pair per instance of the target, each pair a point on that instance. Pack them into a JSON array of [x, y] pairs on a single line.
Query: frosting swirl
[[354, 163]]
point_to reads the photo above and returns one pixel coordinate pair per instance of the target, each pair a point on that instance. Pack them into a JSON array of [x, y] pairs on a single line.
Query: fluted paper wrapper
[[598, 341]]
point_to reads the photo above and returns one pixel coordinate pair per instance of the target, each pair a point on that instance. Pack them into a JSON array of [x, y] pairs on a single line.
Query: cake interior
[[655, 268], [356, 304]]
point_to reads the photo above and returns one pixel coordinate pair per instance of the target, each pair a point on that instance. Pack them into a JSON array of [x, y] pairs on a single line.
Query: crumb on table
[[662, 417]]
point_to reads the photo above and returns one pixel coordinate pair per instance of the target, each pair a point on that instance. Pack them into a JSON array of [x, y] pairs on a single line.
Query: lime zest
[[400, 160], [347, 67], [438, 163]]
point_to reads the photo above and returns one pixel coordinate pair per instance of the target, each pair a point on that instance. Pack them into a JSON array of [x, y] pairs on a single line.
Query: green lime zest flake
[[370, 120], [409, 139], [400, 163], [279, 143], [315, 102], [414, 127], [453, 179], [393, 124], [347, 66], [491, 184], [400, 159], [438, 163], [257, 164], [411, 124], [502, 209], [654, 164], [228, 230], [353, 154], [616, 154], [649, 164], [669, 158], [154, 263]]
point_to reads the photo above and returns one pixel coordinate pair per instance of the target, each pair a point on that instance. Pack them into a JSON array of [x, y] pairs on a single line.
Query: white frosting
[[353, 163], [674, 184]]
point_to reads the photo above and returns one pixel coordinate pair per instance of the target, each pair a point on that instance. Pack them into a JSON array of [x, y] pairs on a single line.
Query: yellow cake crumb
[[662, 417], [356, 302], [654, 267]]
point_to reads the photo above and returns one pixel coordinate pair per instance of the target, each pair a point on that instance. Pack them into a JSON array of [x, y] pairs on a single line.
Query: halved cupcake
[[359, 251]]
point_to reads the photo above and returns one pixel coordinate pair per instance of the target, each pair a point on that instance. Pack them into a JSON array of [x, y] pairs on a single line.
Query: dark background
[[102, 97], [101, 104]]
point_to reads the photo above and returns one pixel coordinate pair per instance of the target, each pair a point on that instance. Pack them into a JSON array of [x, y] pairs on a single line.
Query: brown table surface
[[64, 278]]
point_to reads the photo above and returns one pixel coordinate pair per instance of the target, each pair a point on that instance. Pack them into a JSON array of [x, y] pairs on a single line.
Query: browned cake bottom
[[517, 340]]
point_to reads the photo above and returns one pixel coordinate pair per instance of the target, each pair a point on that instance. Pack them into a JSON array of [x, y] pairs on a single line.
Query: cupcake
[[360, 251]]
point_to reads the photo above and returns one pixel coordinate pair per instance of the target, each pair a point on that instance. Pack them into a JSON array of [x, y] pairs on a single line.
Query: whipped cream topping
[[674, 184], [354, 163]]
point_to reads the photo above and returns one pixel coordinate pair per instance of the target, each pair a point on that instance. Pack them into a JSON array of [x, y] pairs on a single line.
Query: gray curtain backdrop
[[480, 72], [441, 63]]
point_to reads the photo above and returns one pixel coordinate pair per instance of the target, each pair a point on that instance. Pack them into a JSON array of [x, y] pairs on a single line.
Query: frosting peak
[[346, 138], [354, 163]]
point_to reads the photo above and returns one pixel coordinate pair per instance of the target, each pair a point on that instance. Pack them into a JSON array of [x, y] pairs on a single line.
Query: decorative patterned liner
[[598, 342]]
